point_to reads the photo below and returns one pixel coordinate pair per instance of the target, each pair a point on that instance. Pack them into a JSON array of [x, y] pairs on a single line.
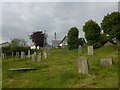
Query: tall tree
[[92, 33], [111, 25], [73, 38], [39, 38]]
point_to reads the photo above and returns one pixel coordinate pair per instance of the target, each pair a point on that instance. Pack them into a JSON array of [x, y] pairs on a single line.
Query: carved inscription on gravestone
[[83, 65]]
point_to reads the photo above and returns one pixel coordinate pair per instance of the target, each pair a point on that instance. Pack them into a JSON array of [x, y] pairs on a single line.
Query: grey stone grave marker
[[39, 57], [35, 53], [45, 54], [106, 61], [22, 55], [28, 53], [83, 65], [63, 51], [90, 50], [33, 57], [80, 49], [3, 55], [12, 54]]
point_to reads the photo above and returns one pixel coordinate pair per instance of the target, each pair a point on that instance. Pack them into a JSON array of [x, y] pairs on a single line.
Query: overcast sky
[[21, 19]]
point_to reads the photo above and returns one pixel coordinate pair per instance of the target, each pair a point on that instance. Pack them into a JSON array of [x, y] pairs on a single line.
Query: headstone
[[80, 49], [33, 57], [49, 50], [22, 55], [83, 65], [106, 61], [18, 54], [45, 54], [90, 50], [39, 57], [63, 51], [12, 54], [35, 53], [3, 55], [28, 53]]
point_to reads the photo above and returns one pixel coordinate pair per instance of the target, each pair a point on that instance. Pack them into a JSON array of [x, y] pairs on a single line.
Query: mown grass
[[61, 71]]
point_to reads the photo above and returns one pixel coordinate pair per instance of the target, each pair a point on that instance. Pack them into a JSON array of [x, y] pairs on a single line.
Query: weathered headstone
[[106, 61], [83, 65], [28, 53], [33, 57], [39, 57], [63, 51], [22, 55], [49, 50], [45, 54], [17, 54], [80, 49], [90, 50]]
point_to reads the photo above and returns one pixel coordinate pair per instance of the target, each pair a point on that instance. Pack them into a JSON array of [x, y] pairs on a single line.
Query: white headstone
[[90, 50], [35, 53], [83, 65], [45, 54], [12, 54]]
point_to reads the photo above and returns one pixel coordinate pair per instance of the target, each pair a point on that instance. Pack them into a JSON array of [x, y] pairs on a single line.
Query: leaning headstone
[[28, 53], [45, 54], [22, 55], [90, 50], [33, 57], [83, 65], [80, 49], [49, 50], [106, 61], [63, 51], [39, 57]]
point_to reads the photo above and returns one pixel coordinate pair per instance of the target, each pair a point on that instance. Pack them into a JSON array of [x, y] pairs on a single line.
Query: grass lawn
[[61, 71]]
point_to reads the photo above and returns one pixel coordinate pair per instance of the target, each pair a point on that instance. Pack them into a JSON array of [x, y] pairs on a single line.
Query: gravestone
[[12, 54], [35, 53], [83, 65], [49, 50], [3, 55], [39, 57], [28, 53], [17, 54], [45, 54], [80, 49], [22, 55], [63, 51], [33, 57], [106, 61], [90, 50]]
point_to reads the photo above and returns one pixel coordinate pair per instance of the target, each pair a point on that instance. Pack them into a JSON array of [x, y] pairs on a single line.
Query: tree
[[73, 41], [92, 33], [38, 38], [111, 25]]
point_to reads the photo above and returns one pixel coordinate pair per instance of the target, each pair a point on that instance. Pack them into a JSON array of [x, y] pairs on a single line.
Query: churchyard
[[63, 68]]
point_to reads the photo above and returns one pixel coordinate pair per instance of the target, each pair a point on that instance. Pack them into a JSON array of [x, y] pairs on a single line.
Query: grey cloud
[[21, 19]]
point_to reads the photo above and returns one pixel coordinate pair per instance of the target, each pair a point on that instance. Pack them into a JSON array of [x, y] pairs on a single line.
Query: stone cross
[[39, 57], [33, 57], [28, 53], [22, 55], [45, 54], [80, 49], [83, 65], [106, 61], [49, 50], [90, 50]]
